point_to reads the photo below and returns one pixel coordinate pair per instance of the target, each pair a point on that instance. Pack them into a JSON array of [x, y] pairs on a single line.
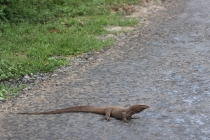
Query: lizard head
[[138, 108]]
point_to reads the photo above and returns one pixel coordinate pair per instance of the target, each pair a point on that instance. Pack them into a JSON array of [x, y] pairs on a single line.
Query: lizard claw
[[125, 120], [108, 119]]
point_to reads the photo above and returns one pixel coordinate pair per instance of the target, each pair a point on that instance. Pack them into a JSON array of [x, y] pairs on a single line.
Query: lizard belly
[[117, 113]]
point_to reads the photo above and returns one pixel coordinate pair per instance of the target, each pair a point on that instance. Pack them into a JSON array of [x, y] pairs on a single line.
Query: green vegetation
[[7, 91], [37, 35]]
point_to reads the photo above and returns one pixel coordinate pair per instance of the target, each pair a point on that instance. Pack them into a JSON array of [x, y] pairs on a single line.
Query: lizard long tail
[[91, 109]]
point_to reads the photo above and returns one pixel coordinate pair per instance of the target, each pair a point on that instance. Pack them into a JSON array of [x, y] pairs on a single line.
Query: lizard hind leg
[[107, 114]]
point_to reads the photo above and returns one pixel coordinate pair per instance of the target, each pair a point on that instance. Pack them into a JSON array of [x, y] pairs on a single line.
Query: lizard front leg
[[124, 118], [132, 117], [135, 117]]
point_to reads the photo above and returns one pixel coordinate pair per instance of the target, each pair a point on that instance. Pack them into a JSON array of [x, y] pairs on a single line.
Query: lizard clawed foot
[[135, 117], [107, 118], [125, 120]]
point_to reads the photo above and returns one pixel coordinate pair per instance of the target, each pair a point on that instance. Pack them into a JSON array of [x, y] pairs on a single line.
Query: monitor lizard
[[118, 112]]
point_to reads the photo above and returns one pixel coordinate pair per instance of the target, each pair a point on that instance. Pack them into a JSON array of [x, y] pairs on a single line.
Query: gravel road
[[164, 64]]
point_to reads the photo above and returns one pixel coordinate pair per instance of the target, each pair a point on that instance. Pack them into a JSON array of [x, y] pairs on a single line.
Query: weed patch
[[34, 46], [7, 91]]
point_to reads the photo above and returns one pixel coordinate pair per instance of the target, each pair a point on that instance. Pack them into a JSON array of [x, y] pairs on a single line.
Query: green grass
[[41, 47], [7, 91]]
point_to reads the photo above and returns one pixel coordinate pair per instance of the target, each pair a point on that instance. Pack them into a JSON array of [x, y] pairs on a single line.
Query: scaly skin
[[118, 112]]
